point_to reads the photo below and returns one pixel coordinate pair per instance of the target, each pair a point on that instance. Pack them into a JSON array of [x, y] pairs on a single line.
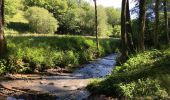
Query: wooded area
[[41, 35], [127, 36]]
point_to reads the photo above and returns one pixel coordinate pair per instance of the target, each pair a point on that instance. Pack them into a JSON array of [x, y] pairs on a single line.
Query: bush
[[143, 88], [41, 21], [141, 61], [2, 67], [116, 31]]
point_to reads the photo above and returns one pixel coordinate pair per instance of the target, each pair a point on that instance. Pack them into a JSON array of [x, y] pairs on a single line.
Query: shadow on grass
[[18, 26]]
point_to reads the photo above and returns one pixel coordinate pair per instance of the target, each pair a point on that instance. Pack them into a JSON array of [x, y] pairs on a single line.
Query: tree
[[129, 31], [113, 21], [57, 7], [141, 30], [156, 31], [96, 27], [11, 8], [2, 38], [123, 32], [166, 20], [126, 31], [113, 15], [104, 29], [82, 19]]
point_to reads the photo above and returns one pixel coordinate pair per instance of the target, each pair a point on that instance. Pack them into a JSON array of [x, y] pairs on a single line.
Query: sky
[[111, 3]]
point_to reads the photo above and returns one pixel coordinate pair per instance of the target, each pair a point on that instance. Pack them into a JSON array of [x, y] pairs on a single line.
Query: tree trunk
[[142, 18], [123, 32], [156, 31], [96, 28], [2, 38], [166, 21], [129, 29]]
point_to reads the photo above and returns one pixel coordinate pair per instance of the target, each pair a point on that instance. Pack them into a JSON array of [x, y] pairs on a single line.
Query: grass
[[28, 53], [145, 75]]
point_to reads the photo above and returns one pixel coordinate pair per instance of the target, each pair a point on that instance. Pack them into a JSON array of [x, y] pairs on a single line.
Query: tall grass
[[27, 53]]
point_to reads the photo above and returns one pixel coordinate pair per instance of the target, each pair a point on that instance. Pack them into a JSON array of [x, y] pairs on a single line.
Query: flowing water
[[65, 86]]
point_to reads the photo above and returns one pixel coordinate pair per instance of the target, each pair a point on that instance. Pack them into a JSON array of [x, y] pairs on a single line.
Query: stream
[[64, 86]]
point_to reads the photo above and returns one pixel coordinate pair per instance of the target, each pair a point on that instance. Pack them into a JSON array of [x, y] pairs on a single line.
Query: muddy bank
[[65, 86]]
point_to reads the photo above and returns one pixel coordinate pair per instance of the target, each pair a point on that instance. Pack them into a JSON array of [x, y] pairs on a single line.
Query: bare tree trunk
[[96, 28], [2, 38], [156, 31], [129, 30], [166, 21], [142, 18], [123, 32]]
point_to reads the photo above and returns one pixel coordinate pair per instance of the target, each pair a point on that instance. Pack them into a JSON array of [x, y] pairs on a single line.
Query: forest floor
[[54, 85]]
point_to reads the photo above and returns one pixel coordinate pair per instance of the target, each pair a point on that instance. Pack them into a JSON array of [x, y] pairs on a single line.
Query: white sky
[[111, 3]]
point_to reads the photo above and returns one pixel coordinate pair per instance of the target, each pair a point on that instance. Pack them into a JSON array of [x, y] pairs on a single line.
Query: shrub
[[143, 88], [2, 67], [116, 31], [70, 59], [41, 21]]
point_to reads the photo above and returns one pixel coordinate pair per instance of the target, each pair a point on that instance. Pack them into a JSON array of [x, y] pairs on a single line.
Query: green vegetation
[[41, 21], [70, 17], [144, 75], [11, 8], [57, 7], [29, 53], [143, 72]]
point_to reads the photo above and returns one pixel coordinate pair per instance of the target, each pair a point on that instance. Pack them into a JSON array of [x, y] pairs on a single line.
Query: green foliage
[[73, 25], [57, 7], [11, 8], [70, 59], [143, 88], [41, 21], [139, 61], [113, 15], [2, 67], [149, 32], [81, 14], [116, 31], [82, 19], [143, 75], [29, 53], [87, 23], [103, 27]]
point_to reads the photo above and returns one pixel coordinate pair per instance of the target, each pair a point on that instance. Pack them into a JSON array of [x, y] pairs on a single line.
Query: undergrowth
[[144, 75], [27, 54]]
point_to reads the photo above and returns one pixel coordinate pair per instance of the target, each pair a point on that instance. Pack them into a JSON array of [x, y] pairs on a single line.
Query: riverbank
[[30, 54], [63, 86], [145, 75]]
